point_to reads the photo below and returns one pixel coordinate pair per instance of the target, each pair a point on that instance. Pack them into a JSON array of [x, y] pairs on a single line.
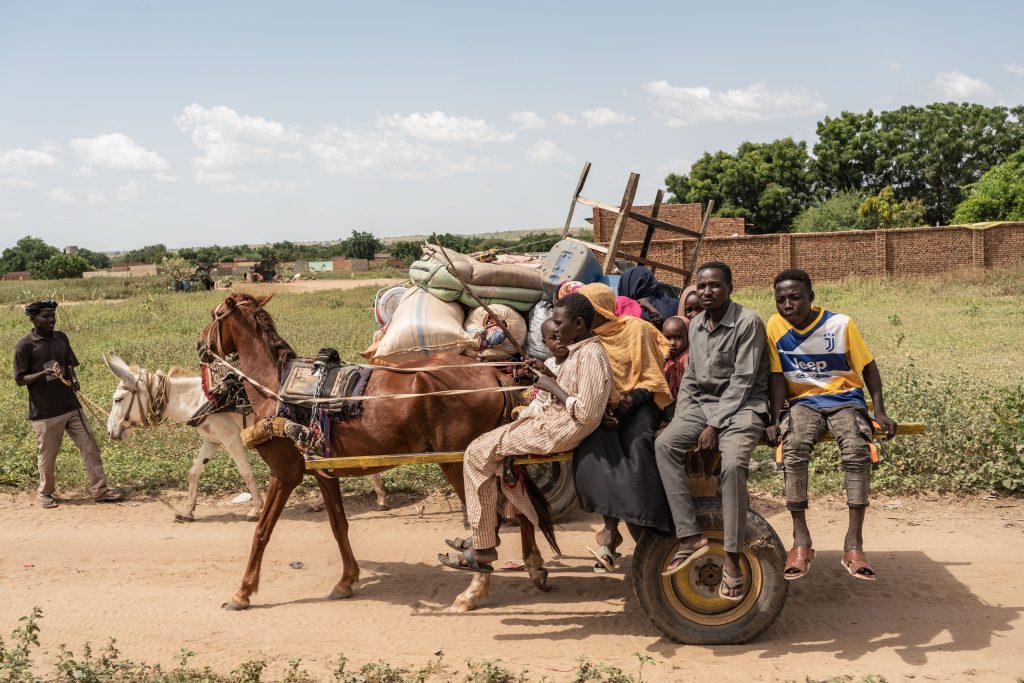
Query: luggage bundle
[[437, 315]]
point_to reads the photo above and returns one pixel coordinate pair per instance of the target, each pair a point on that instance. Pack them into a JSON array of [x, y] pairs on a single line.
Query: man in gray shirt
[[722, 406]]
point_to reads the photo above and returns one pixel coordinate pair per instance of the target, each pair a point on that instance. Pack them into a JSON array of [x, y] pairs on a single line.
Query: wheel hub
[[709, 574]]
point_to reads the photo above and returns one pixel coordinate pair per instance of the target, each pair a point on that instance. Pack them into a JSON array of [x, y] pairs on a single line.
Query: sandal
[[465, 563], [49, 503], [109, 497], [685, 556], [459, 544], [856, 563], [731, 582], [798, 562], [606, 559]]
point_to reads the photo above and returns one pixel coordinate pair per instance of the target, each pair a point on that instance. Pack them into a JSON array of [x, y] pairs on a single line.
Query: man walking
[[44, 362], [722, 406]]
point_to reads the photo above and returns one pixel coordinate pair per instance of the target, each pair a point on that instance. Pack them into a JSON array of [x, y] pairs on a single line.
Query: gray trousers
[[804, 427], [736, 443], [50, 435]]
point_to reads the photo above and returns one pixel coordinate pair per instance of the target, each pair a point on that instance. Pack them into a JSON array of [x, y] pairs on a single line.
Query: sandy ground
[[948, 605], [303, 286]]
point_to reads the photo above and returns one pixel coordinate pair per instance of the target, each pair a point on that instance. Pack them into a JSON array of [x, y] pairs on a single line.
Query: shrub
[[833, 214], [997, 196]]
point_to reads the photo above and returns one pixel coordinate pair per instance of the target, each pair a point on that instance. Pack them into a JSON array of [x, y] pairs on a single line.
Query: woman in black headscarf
[[640, 285]]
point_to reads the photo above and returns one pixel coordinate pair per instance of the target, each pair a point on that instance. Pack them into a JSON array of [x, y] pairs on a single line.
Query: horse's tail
[[540, 504]]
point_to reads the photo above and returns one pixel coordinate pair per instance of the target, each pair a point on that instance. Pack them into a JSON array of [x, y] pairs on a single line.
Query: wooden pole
[[572, 206], [700, 241], [620, 223]]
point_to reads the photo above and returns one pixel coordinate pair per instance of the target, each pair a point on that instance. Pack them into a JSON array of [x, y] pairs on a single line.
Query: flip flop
[[798, 562], [513, 566], [471, 563], [459, 544], [731, 582], [686, 556], [604, 566], [856, 562]]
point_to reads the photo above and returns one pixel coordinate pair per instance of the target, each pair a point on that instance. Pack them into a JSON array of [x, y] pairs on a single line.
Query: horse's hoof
[[232, 606], [340, 594], [383, 507], [178, 517], [252, 517], [462, 606], [540, 580]]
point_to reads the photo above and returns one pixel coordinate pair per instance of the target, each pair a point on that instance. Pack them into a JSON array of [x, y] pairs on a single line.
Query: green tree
[[26, 253], [361, 245], [61, 267], [152, 253], [409, 250], [766, 183], [930, 152], [97, 260], [885, 211], [838, 212], [998, 196]]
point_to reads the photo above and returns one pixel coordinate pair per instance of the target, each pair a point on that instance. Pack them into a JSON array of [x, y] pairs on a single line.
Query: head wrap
[[626, 306], [37, 307], [639, 283], [568, 287], [692, 289], [635, 348]]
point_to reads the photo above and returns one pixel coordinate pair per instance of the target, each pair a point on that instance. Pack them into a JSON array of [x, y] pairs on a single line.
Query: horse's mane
[[267, 330], [175, 371]]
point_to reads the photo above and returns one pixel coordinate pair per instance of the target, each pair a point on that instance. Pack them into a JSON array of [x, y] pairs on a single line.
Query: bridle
[[155, 387]]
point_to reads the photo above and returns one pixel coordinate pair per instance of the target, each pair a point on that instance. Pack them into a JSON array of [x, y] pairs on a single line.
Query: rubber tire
[[555, 481], [648, 562]]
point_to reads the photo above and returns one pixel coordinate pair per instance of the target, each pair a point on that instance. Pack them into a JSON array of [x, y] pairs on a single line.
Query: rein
[[270, 393]]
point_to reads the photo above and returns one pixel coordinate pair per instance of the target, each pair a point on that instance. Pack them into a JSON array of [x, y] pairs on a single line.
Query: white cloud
[[228, 140], [17, 183], [1015, 69], [527, 120], [895, 66], [679, 106], [342, 150], [96, 197], [603, 116], [118, 152], [18, 160], [59, 195], [547, 152], [439, 127], [563, 119], [129, 192], [956, 85]]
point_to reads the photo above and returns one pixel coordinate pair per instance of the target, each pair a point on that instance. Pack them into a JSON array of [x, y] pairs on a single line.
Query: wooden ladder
[[623, 212]]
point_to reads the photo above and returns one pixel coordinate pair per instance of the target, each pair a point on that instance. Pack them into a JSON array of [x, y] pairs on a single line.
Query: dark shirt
[[727, 368], [49, 397]]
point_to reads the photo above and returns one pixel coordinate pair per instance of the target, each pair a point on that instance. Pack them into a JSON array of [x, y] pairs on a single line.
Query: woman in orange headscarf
[[614, 468]]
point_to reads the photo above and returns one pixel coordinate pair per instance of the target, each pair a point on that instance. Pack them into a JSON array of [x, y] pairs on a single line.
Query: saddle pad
[[300, 382]]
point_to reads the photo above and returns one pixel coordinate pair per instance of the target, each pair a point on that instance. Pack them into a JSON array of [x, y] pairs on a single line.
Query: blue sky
[[189, 123]]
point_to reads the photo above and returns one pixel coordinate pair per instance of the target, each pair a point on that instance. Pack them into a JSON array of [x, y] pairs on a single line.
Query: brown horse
[[386, 426]]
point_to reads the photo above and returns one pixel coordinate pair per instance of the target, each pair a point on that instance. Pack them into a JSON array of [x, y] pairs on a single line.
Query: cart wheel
[[686, 607], [554, 479]]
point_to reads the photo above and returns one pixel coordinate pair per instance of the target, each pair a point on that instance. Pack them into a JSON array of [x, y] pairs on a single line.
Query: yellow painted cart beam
[[361, 462]]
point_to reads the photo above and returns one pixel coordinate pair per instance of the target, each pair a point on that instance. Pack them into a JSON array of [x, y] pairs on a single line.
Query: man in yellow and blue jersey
[[821, 366]]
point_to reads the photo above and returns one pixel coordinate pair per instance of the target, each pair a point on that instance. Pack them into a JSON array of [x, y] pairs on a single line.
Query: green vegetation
[[108, 665], [998, 196], [928, 154], [948, 348]]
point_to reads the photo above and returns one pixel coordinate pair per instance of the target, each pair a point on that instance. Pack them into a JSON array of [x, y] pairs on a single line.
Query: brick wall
[[684, 215], [755, 259]]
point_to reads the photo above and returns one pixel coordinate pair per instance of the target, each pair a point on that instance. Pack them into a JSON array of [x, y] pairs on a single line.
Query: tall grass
[[949, 349]]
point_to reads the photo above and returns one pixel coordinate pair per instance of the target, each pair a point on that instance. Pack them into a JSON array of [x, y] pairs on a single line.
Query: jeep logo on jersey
[[818, 365]]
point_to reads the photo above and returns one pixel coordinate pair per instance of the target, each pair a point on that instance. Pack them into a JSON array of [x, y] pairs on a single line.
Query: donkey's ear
[[264, 300], [120, 369]]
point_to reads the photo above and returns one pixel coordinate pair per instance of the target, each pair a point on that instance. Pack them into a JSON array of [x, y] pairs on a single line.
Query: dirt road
[[948, 605], [303, 286]]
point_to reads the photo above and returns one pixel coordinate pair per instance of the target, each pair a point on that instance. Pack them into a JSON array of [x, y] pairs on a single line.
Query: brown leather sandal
[[856, 563], [798, 562]]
